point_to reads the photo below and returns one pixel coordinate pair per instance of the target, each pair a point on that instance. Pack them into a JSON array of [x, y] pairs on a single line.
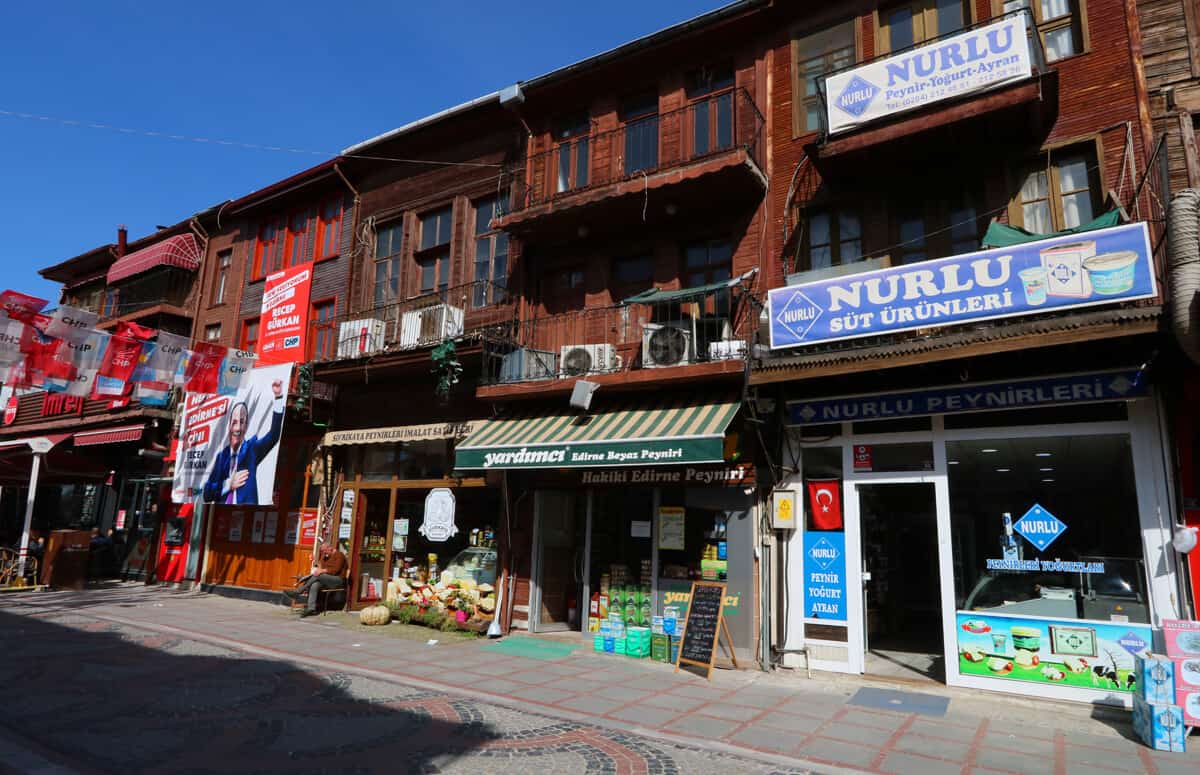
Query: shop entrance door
[[902, 619], [557, 535]]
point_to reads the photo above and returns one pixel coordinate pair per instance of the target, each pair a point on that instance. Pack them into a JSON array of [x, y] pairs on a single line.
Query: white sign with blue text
[[979, 59], [1080, 270]]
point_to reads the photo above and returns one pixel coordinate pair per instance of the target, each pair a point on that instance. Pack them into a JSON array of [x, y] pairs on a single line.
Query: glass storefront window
[[406, 460], [1047, 527]]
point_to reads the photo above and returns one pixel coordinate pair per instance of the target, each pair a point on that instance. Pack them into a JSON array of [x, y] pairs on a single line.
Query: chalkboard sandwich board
[[705, 617]]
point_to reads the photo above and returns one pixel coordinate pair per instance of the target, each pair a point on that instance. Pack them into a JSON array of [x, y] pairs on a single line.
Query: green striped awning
[[668, 431]]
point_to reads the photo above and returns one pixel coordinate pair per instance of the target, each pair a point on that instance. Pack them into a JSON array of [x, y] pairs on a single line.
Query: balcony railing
[[167, 285], [605, 340], [1037, 58], [704, 128], [423, 321]]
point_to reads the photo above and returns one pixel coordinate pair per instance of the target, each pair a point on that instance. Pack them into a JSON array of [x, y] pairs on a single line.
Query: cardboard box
[[598, 643], [670, 625], [1155, 678], [1159, 725], [1188, 699], [656, 625], [593, 624], [674, 649], [1182, 637], [660, 647]]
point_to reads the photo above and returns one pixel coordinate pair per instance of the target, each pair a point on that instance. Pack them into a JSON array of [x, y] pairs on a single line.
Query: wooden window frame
[[1090, 148], [296, 241], [936, 217], [834, 212], [496, 291], [319, 327], [1078, 18], [927, 14], [573, 135], [244, 342], [210, 329], [323, 225], [268, 252], [221, 279], [393, 260], [800, 101], [441, 253]]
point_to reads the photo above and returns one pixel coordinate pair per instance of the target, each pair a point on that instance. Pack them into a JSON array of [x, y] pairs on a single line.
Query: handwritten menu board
[[701, 625]]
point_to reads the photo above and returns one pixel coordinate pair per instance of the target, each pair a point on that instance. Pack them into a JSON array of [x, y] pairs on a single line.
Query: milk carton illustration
[[1065, 274]]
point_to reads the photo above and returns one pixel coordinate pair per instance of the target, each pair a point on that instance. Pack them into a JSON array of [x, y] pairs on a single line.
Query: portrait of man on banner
[[234, 475]]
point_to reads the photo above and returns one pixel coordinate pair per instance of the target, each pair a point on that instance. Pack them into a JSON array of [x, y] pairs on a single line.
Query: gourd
[[375, 614]]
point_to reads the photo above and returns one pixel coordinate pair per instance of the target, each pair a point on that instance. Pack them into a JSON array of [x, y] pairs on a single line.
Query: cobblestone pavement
[[149, 679], [97, 696]]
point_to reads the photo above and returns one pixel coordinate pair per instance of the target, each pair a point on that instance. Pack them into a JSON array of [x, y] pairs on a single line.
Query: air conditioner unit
[[526, 363], [576, 360], [430, 325], [357, 338], [666, 344]]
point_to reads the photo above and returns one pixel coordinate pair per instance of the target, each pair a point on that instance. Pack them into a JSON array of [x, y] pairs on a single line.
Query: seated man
[[328, 573]]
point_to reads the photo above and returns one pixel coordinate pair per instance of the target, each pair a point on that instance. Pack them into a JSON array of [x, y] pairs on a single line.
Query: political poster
[[229, 445], [285, 315]]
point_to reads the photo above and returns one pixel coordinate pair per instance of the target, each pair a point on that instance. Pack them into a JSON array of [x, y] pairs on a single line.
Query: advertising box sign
[[1060, 273], [285, 315], [825, 576], [973, 61]]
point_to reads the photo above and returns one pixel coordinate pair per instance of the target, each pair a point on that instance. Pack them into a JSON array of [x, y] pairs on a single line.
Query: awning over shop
[[181, 250], [1001, 235], [43, 443], [110, 435], [397, 433], [657, 295], [664, 432]]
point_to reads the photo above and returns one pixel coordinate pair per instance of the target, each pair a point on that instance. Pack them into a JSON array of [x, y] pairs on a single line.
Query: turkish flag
[[825, 503]]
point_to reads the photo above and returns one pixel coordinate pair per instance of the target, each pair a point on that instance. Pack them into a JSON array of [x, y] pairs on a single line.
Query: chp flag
[[229, 444], [284, 315]]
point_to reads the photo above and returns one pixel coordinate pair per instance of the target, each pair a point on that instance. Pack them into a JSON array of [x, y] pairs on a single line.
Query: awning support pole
[[33, 480]]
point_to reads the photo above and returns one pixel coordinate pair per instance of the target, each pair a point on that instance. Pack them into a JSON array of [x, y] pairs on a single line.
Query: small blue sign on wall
[[825, 575], [1078, 270], [1039, 527]]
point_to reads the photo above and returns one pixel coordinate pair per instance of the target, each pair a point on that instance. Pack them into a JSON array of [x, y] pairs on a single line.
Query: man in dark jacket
[[234, 476]]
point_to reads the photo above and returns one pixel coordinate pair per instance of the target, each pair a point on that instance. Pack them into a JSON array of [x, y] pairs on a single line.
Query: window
[[814, 57], [640, 116], [911, 240], [712, 112], [388, 243], [435, 271], [435, 228], [491, 254], [329, 230], [268, 252], [563, 288], [249, 340], [634, 271], [709, 261], [224, 265], [832, 238], [112, 303], [295, 248], [946, 227], [212, 332], [908, 24], [571, 155], [87, 298], [1059, 23], [324, 330], [1060, 195]]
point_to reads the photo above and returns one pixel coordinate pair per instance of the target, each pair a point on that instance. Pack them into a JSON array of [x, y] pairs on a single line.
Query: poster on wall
[[825, 576], [1079, 270], [271, 527], [235, 526], [308, 526], [229, 445], [671, 528], [284, 319], [291, 530], [256, 527], [1070, 652]]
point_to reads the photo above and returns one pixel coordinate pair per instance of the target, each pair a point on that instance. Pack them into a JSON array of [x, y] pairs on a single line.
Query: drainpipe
[[1183, 261]]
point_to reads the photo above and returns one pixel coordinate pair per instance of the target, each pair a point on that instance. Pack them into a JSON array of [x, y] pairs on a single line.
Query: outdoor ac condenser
[[357, 338], [430, 325]]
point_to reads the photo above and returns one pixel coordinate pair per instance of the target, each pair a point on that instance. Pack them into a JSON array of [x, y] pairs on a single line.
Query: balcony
[[991, 75], [694, 333], [149, 297], [713, 144], [411, 325]]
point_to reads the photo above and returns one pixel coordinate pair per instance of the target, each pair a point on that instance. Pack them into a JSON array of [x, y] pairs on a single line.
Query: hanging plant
[[446, 368]]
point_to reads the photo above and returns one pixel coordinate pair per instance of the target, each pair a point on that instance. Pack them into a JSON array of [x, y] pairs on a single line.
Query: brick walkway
[[459, 707]]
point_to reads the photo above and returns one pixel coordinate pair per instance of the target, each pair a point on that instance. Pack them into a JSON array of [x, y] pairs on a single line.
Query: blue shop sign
[[988, 396], [825, 575], [1081, 270]]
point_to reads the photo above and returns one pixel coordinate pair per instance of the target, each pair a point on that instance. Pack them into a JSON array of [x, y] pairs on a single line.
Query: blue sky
[[299, 74]]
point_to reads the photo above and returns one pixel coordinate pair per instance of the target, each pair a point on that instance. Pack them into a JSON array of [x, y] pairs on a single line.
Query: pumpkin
[[375, 614]]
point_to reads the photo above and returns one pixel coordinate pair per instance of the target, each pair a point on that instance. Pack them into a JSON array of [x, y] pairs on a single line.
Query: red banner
[[120, 359], [204, 367], [284, 322], [825, 503]]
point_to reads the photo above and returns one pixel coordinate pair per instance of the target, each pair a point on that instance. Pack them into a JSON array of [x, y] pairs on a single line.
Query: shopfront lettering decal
[[741, 473], [1046, 566], [682, 598], [617, 453], [1107, 266], [954, 399], [825, 575], [972, 61]]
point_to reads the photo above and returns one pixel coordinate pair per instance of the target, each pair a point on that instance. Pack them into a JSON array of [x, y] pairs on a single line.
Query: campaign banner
[[284, 320], [234, 370], [119, 362], [72, 324], [202, 369], [978, 397], [825, 576], [86, 358], [1068, 272], [229, 445], [17, 304], [973, 61]]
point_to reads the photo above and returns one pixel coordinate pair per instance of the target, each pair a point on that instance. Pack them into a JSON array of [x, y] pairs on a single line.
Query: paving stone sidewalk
[[780, 719]]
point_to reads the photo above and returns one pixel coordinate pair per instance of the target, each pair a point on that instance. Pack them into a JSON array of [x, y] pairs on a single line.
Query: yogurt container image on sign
[[1033, 280], [1065, 275], [1112, 274]]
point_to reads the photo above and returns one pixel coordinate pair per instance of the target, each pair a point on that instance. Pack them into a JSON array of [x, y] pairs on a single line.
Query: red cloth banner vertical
[[825, 503], [120, 359], [283, 326], [204, 368]]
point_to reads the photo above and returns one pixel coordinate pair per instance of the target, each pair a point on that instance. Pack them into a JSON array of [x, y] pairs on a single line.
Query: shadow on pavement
[[101, 697]]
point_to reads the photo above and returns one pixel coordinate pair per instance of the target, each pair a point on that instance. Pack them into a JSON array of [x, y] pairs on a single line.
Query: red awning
[[181, 250], [110, 435]]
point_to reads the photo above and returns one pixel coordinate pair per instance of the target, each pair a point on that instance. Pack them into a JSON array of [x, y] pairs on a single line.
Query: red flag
[[16, 303], [825, 503], [120, 359], [204, 368], [134, 331]]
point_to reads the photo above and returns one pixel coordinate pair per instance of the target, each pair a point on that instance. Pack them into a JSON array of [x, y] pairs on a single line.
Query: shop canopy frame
[[668, 431]]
